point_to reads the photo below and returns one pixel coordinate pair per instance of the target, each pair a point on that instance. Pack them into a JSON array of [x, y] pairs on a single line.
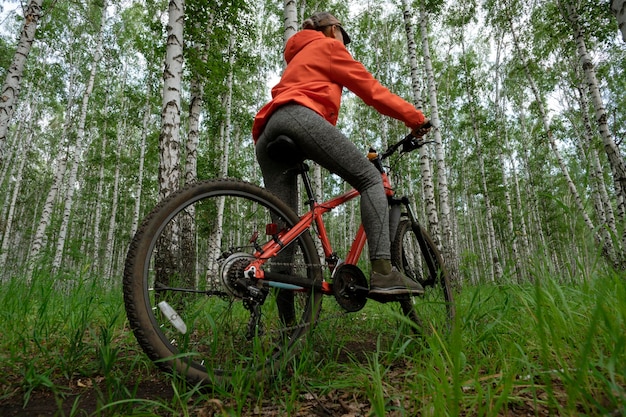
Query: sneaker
[[394, 283]]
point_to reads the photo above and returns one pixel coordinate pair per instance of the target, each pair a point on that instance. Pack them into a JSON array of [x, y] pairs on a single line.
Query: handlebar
[[408, 144]]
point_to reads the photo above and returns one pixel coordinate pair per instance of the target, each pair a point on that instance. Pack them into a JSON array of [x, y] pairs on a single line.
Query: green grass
[[538, 348]]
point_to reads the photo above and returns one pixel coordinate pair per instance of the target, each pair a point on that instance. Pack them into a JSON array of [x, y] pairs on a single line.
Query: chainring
[[350, 287]]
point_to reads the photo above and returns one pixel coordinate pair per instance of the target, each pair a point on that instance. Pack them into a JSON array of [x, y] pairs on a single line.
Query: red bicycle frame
[[283, 238]]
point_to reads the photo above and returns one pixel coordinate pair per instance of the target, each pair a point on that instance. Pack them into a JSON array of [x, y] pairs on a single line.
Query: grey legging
[[323, 143]]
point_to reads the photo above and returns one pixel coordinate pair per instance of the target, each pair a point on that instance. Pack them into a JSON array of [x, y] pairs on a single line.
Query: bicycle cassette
[[231, 273], [350, 287]]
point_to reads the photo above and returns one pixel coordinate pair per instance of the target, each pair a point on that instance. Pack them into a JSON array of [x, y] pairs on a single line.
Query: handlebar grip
[[420, 131]]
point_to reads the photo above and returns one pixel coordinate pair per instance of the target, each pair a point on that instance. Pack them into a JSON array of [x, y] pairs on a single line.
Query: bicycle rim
[[187, 302], [415, 254]]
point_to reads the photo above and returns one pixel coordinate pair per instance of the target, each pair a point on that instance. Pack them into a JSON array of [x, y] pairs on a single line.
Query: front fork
[[395, 212]]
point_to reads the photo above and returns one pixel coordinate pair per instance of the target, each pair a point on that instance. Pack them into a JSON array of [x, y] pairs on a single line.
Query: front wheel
[[191, 307], [414, 253]]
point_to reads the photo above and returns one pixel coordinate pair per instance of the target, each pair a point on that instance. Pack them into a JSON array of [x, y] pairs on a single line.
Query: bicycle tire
[[416, 255], [173, 258]]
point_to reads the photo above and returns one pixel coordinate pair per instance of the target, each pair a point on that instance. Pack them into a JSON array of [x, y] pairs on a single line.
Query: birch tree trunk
[[168, 259], [193, 135], [602, 203], [169, 140], [12, 84], [188, 223], [96, 266], [618, 166], [8, 224], [447, 241], [76, 150], [13, 153], [618, 7], [425, 162], [225, 142], [142, 157], [39, 239], [517, 260], [109, 261], [198, 82], [290, 15], [522, 232]]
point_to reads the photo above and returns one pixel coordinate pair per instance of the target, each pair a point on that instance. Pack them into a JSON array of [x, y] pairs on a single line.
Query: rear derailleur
[[252, 296]]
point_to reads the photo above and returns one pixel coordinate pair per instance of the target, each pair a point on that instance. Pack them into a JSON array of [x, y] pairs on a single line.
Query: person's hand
[[420, 131]]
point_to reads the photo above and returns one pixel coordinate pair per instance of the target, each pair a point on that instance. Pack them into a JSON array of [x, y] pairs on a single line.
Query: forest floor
[[85, 397]]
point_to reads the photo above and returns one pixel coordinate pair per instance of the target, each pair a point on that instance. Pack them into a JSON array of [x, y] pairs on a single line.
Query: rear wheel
[[191, 308], [414, 253]]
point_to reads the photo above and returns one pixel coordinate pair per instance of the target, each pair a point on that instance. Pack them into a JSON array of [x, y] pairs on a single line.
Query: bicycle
[[224, 277]]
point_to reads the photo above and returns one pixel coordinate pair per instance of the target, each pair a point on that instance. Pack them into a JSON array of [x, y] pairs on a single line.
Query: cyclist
[[305, 106]]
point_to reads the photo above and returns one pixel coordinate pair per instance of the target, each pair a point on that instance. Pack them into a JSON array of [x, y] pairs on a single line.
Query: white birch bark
[[226, 139], [8, 223], [447, 239], [142, 157], [108, 254], [14, 152], [617, 163], [522, 231], [169, 140], [11, 88], [600, 195], [492, 242], [198, 82], [290, 16], [193, 135], [12, 149], [188, 223], [98, 209], [517, 260], [96, 266], [39, 239], [76, 150], [618, 7], [425, 162]]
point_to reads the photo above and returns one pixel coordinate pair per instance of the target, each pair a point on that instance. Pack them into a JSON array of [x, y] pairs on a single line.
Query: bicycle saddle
[[283, 148]]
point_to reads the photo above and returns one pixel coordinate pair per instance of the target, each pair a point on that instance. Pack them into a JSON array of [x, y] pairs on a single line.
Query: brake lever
[[415, 143]]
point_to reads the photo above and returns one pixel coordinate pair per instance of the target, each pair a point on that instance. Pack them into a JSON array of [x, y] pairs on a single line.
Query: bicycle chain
[[304, 325]]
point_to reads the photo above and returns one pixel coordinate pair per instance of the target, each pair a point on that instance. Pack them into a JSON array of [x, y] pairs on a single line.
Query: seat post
[[306, 180]]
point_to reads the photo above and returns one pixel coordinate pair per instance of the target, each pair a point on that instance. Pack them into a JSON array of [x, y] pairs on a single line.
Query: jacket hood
[[298, 41]]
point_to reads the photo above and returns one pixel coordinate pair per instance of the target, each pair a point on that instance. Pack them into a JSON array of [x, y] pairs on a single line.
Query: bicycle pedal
[[390, 298]]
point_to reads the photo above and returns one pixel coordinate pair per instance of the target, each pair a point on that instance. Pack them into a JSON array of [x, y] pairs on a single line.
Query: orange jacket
[[317, 70]]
